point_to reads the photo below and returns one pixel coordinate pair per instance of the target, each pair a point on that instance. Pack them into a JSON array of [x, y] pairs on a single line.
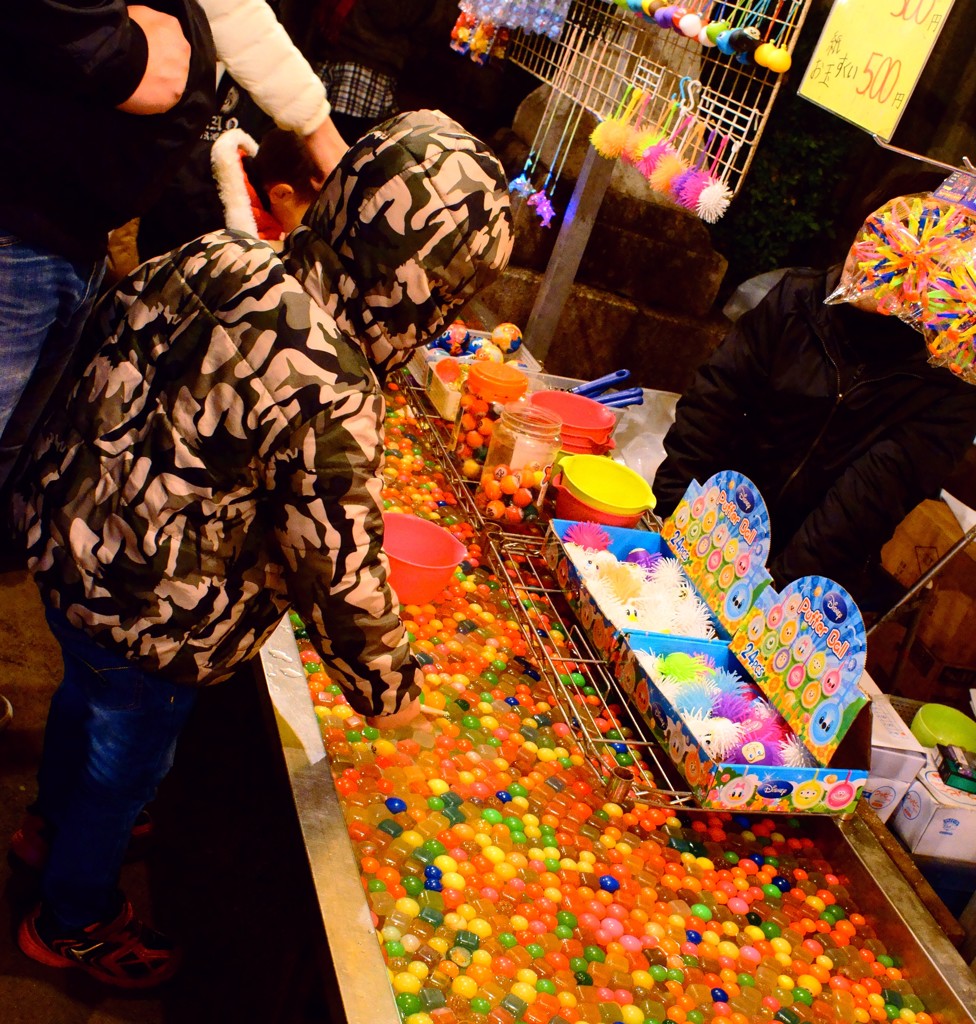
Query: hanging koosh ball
[[713, 201], [610, 137], [639, 141], [668, 168]]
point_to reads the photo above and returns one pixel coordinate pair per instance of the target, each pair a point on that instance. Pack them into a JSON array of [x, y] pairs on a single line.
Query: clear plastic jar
[[487, 388], [524, 444]]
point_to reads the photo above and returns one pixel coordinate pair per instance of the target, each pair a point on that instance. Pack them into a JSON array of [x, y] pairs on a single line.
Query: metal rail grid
[[603, 49], [654, 778]]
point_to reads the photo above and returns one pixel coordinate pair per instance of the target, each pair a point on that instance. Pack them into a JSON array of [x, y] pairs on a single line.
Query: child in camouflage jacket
[[217, 463]]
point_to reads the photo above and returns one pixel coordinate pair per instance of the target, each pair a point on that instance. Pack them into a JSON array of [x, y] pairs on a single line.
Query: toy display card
[[720, 534], [806, 648]]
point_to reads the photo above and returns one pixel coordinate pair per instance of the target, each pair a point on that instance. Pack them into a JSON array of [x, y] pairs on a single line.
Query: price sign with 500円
[[869, 57]]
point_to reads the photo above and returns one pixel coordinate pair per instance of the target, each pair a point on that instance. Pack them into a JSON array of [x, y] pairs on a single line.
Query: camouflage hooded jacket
[[219, 458]]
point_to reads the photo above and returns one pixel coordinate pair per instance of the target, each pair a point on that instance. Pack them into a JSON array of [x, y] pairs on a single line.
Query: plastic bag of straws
[[913, 258]]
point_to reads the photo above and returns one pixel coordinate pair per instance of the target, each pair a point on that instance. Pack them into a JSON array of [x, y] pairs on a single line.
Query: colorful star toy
[[543, 207], [521, 186]]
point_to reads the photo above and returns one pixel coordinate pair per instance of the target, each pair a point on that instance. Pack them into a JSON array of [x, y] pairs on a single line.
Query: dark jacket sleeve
[[709, 416], [90, 45], [874, 494]]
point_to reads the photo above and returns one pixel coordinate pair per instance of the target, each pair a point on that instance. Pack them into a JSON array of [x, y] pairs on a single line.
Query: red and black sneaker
[[123, 952], [30, 844]]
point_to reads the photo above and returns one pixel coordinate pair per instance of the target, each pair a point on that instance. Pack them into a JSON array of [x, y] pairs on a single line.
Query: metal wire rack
[[521, 561], [603, 49], [513, 557]]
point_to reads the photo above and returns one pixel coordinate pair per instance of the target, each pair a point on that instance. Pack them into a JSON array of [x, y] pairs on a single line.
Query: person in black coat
[[100, 101], [835, 413]]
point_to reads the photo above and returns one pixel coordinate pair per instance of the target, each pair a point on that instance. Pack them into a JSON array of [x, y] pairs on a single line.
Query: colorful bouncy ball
[[507, 337]]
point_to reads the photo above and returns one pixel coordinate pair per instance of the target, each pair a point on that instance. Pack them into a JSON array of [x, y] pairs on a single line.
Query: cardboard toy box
[[804, 647], [896, 759], [896, 756], [727, 785], [607, 640], [937, 820], [884, 795], [895, 753]]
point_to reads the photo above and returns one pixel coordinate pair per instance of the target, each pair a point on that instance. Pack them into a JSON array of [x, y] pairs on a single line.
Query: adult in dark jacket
[[98, 102], [837, 416]]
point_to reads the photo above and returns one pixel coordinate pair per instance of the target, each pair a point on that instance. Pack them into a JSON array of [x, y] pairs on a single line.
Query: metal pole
[[934, 570], [574, 233], [907, 643]]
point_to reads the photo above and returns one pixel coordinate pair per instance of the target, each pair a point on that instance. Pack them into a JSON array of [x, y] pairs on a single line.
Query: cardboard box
[[884, 795], [935, 820], [923, 537], [804, 647], [895, 753], [607, 640], [723, 785]]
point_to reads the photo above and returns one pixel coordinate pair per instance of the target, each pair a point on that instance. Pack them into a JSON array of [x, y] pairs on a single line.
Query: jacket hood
[[413, 222]]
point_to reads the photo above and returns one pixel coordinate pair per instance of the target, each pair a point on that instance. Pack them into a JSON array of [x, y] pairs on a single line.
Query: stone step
[[600, 331], [656, 269]]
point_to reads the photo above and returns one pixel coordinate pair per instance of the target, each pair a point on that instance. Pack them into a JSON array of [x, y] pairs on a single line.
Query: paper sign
[[869, 58]]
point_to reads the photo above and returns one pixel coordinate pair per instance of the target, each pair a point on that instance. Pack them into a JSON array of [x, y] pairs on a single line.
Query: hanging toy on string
[[652, 155], [670, 163], [691, 143], [538, 18], [567, 79], [639, 136], [461, 34], [709, 195], [691, 22], [521, 186], [611, 136], [542, 205], [717, 23], [687, 187], [538, 198], [479, 48], [774, 55]]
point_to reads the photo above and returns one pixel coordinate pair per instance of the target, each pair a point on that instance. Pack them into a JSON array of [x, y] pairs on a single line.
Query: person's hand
[[397, 719], [167, 67], [326, 147]]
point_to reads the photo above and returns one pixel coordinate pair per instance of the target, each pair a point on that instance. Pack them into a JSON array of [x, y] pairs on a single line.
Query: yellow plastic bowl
[[606, 485]]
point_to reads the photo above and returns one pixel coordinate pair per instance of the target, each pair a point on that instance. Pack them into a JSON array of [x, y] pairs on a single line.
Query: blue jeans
[[110, 739], [44, 302]]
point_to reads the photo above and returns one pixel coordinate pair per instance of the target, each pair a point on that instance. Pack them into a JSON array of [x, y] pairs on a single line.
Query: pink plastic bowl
[[423, 556], [583, 419]]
